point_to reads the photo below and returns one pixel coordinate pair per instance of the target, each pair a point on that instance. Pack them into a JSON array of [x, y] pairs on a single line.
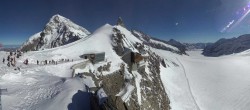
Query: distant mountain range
[[9, 47], [228, 46], [194, 46]]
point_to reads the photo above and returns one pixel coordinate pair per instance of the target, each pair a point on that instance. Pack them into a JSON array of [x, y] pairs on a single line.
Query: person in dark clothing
[[17, 68], [8, 64], [3, 60], [8, 58], [37, 62], [26, 62]]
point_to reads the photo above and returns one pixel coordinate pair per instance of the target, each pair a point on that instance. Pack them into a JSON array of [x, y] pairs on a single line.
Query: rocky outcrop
[[228, 46], [113, 83], [118, 44], [30, 45], [152, 93], [152, 89], [120, 22], [114, 103]]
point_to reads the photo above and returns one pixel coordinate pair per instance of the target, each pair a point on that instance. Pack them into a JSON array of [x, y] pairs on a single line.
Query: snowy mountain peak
[[58, 18], [58, 21], [57, 32]]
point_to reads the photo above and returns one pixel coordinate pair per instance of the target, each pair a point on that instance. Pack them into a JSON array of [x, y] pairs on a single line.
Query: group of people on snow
[[11, 59], [45, 62], [54, 62]]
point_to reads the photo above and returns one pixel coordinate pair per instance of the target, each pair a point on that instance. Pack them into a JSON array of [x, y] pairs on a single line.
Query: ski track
[[220, 83], [189, 87]]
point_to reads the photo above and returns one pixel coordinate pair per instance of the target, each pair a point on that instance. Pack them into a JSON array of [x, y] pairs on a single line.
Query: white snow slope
[[207, 83], [50, 87], [41, 87]]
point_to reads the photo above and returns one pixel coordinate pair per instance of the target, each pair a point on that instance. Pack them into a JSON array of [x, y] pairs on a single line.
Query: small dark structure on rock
[[133, 59], [94, 57]]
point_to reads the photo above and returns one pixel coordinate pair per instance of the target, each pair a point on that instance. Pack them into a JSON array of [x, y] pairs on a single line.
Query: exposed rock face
[[177, 44], [228, 46], [114, 103], [118, 42], [139, 88], [31, 46], [112, 84], [59, 31], [152, 90], [153, 94]]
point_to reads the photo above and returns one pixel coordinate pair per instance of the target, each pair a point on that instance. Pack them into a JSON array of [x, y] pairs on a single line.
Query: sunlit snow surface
[[192, 82], [50, 87], [40, 87], [216, 83]]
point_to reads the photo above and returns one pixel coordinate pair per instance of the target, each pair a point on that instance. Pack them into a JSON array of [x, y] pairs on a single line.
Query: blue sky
[[183, 20]]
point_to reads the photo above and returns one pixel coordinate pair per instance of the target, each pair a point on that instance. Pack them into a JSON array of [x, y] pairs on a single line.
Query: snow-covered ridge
[[80, 47], [161, 43], [102, 40], [156, 43]]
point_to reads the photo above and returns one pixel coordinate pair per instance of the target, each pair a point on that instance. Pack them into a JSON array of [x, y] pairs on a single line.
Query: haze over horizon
[[182, 20]]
